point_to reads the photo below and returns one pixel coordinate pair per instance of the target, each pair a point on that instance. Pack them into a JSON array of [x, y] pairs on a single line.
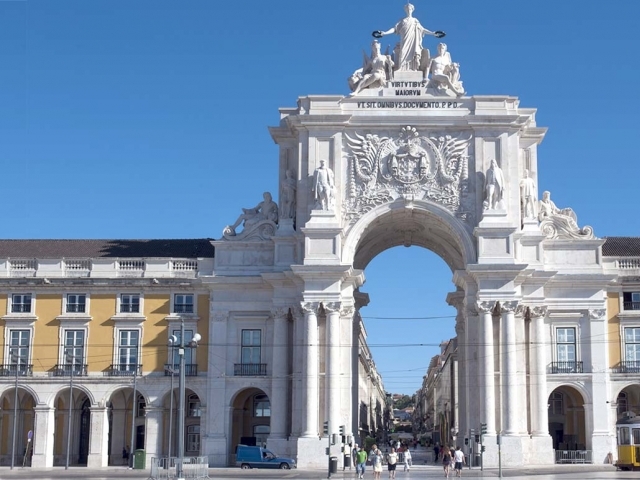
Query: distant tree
[[404, 402]]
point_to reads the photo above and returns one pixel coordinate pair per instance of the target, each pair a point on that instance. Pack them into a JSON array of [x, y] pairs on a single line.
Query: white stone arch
[[577, 386], [27, 388], [420, 222], [82, 388], [115, 388], [619, 387]]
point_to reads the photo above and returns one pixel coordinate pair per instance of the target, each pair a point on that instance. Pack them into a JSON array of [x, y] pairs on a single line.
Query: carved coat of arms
[[412, 166]]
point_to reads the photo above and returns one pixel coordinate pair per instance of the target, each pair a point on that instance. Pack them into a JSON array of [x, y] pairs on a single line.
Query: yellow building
[[85, 323]]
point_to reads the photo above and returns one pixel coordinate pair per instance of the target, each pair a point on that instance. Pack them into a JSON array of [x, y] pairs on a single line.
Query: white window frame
[[191, 434], [7, 335], [11, 302], [116, 342], [624, 341], [576, 328], [622, 311], [185, 314], [66, 326], [242, 346], [129, 314], [87, 304]]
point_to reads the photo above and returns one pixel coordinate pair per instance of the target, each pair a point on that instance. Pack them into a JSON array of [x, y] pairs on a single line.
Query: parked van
[[258, 457]]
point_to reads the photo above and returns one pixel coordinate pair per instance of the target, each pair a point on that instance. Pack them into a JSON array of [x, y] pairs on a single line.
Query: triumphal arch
[[409, 158]]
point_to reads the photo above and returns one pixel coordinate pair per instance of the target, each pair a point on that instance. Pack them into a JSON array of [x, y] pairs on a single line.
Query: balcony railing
[[250, 369], [65, 370], [190, 369], [123, 370], [9, 370], [566, 367], [631, 305], [629, 366], [21, 308], [183, 308]]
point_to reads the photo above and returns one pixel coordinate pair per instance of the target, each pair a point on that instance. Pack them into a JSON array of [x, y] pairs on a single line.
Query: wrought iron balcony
[[629, 366], [250, 369], [10, 370], [65, 370], [631, 305], [123, 370], [190, 369], [566, 367], [183, 308]]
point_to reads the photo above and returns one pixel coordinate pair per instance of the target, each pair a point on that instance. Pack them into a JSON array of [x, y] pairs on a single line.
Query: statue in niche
[[376, 71], [267, 210], [560, 222], [288, 196], [408, 51], [494, 187], [444, 73], [323, 185], [528, 196]]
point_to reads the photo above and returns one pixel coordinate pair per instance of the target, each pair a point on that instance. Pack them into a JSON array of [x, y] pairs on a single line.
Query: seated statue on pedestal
[[560, 222], [265, 211], [376, 71], [444, 74]]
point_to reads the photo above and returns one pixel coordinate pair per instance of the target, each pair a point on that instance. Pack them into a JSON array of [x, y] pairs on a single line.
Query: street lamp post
[[72, 357], [181, 387], [173, 341], [16, 359], [133, 409]]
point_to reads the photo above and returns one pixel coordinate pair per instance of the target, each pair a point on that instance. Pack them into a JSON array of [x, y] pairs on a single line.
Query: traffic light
[[342, 430], [482, 448], [325, 428], [483, 429], [477, 438], [466, 441]]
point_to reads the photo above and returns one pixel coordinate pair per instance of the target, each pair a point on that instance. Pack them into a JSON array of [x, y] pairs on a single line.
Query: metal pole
[[171, 407], [181, 388], [133, 412], [73, 357], [15, 415]]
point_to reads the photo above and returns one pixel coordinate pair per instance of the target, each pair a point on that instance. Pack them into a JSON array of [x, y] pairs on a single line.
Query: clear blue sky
[[148, 119]]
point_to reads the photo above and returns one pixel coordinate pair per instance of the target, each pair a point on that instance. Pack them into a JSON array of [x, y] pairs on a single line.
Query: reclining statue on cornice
[[557, 223], [259, 223]]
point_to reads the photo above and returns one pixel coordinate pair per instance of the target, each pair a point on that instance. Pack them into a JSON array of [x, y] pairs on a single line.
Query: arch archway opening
[[24, 424], [72, 433], [250, 418], [122, 409], [567, 419]]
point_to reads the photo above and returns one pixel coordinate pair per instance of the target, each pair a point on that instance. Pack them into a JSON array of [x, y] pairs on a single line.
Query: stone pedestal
[[311, 452]]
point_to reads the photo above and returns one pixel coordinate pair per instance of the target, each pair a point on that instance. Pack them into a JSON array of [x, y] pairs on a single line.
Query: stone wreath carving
[[410, 166]]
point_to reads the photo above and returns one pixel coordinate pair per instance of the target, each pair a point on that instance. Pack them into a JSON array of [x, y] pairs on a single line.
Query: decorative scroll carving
[[522, 310], [259, 223], [597, 314], [509, 307], [310, 307], [485, 307], [560, 223], [347, 311], [409, 166], [332, 307]]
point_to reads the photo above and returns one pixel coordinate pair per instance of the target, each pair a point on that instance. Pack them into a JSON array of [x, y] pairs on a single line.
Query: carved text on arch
[[408, 165]]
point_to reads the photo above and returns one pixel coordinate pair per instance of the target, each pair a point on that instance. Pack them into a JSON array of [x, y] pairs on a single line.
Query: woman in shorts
[[446, 461]]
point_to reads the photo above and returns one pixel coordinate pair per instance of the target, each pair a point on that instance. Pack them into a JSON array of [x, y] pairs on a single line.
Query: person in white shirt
[[392, 460], [407, 460], [458, 457]]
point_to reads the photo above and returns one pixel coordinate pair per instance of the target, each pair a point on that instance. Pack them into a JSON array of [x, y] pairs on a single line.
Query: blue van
[[258, 457]]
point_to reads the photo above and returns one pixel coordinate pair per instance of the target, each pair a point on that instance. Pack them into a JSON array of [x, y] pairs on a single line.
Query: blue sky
[[148, 119]]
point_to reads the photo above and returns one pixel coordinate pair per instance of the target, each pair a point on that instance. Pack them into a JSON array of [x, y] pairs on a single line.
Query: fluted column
[[279, 382], [540, 420], [510, 407], [333, 369], [310, 414], [487, 390]]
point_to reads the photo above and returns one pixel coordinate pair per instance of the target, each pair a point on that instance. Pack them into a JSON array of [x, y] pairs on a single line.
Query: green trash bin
[[139, 459]]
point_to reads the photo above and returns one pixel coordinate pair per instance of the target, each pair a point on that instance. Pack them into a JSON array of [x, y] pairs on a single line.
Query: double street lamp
[[179, 343], [16, 361]]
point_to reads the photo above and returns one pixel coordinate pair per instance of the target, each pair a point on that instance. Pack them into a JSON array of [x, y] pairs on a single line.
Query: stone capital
[[509, 307], [538, 311], [332, 307], [280, 312], [597, 313], [347, 311], [219, 316], [310, 307], [485, 307]]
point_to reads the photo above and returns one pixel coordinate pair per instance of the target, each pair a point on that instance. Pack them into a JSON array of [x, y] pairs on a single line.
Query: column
[[346, 362], [279, 378], [43, 437], [297, 367], [215, 427], [98, 442], [333, 368], [460, 414], [510, 407], [487, 391], [310, 383], [152, 435], [539, 397]]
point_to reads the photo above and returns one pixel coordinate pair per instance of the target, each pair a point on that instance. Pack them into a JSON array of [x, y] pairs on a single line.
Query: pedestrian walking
[[407, 460], [361, 459], [125, 455], [436, 451], [377, 464], [446, 461], [392, 460], [459, 459]]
